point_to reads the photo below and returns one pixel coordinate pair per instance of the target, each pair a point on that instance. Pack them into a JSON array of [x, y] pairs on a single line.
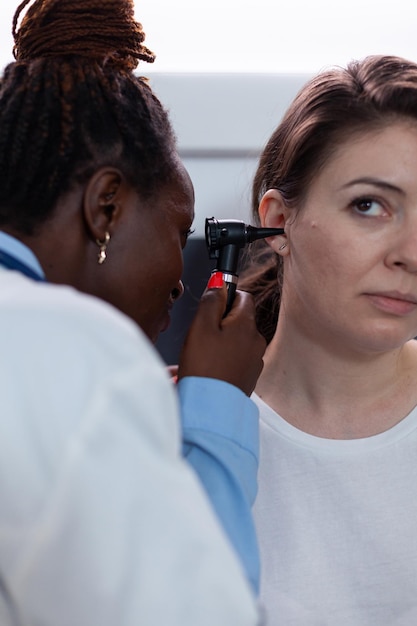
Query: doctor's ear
[[273, 213], [104, 199]]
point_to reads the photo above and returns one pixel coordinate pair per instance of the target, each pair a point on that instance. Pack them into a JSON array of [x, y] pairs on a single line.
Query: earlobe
[[102, 201]]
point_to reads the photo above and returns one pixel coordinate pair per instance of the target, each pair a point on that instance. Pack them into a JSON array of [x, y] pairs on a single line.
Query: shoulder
[[46, 311], [72, 350]]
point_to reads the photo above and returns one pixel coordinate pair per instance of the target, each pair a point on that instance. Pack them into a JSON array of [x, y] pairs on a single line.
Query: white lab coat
[[101, 521]]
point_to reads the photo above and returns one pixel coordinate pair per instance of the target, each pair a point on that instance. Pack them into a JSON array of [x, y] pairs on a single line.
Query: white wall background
[[275, 35], [263, 35]]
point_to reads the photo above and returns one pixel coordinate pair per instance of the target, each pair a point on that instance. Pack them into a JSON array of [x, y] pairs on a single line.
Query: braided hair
[[71, 103]]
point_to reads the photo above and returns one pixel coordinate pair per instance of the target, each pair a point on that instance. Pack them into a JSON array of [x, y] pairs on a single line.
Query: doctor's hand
[[229, 348]]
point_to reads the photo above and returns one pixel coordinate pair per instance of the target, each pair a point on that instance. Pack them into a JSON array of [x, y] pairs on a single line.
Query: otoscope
[[224, 240]]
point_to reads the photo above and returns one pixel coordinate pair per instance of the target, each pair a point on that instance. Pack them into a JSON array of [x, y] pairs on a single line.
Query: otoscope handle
[[227, 264], [231, 285]]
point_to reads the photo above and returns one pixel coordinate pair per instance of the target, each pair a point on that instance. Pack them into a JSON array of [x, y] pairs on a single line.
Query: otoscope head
[[225, 239], [221, 233]]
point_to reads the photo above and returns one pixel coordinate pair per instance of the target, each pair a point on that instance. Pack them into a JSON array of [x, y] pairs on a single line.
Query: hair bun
[[97, 29]]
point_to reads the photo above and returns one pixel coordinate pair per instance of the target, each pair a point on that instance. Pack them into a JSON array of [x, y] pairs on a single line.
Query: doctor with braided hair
[[102, 519]]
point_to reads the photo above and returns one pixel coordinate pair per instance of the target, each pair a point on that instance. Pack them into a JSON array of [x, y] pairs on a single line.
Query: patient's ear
[[273, 214]]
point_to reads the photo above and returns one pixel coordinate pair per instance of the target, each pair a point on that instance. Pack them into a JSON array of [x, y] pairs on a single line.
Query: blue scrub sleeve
[[221, 443]]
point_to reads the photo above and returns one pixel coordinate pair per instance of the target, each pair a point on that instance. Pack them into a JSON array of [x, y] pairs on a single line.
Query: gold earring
[[102, 254]]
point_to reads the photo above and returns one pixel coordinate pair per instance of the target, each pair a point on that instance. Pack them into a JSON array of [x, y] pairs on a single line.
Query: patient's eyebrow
[[377, 182]]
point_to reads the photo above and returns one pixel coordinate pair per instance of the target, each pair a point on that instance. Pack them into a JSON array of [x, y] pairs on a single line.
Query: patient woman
[[102, 522], [336, 509]]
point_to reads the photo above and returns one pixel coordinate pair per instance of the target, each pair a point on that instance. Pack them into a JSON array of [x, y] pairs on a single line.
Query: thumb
[[213, 301]]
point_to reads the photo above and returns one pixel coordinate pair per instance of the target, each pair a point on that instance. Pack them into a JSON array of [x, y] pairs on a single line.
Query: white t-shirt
[[337, 526], [102, 523]]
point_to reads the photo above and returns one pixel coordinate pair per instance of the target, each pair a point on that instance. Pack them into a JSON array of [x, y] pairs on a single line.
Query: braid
[[71, 103], [83, 28]]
